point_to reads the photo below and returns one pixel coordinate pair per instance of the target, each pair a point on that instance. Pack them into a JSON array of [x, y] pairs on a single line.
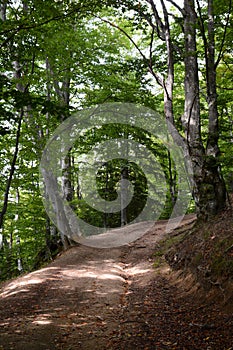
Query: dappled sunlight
[[86, 298], [105, 269], [138, 270], [78, 273], [8, 294], [104, 294], [42, 322], [102, 270], [108, 276], [23, 284], [16, 287], [96, 270], [84, 273]]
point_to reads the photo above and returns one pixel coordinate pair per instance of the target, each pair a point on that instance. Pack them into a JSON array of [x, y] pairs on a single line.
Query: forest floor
[[113, 298]]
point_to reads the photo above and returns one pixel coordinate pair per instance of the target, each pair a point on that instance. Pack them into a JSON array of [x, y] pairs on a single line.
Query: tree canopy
[[58, 57]]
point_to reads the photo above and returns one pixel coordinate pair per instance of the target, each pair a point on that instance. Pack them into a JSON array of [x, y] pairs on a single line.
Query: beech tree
[[64, 59], [194, 45], [209, 187]]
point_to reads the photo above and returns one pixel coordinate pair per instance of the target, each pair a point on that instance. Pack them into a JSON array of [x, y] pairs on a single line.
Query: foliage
[[57, 57]]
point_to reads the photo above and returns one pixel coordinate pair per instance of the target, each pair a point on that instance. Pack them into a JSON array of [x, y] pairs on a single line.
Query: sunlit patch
[[109, 276], [78, 273], [83, 273], [104, 294], [14, 287], [19, 285], [42, 322], [137, 270]]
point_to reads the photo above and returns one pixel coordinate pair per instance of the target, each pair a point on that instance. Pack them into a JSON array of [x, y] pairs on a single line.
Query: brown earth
[[112, 298]]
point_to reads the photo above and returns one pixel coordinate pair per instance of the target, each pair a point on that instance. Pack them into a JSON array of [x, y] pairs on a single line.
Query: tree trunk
[[63, 95], [21, 88], [124, 195], [12, 171], [209, 189], [217, 200]]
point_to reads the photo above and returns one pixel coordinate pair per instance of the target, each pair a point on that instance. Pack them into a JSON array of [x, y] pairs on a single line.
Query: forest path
[[97, 299]]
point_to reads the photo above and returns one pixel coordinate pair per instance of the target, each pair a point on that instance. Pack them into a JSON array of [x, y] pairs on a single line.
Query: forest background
[[59, 57]]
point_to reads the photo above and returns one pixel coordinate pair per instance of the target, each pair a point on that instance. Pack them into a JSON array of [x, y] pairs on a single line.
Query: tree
[[63, 58], [197, 20]]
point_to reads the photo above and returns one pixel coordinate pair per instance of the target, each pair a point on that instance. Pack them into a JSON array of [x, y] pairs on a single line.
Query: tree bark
[[63, 95], [213, 174], [21, 88], [191, 117], [12, 170], [208, 185], [124, 195], [209, 188]]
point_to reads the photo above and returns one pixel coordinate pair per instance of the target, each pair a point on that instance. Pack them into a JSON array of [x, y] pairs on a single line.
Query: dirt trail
[[97, 299]]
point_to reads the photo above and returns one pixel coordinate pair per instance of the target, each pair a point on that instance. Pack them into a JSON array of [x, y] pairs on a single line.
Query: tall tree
[[197, 22]]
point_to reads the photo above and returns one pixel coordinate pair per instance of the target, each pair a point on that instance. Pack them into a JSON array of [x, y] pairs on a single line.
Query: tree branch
[[202, 28], [25, 26], [151, 45], [177, 6], [159, 23], [156, 76], [220, 55]]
